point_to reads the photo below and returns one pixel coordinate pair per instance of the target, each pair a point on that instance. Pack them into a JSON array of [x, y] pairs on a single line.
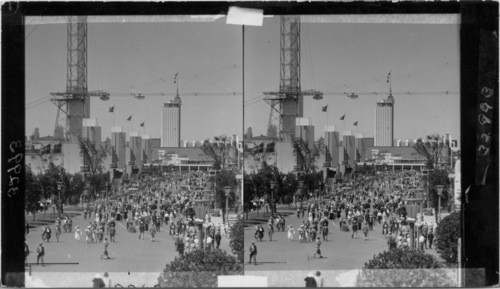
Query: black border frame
[[480, 206]]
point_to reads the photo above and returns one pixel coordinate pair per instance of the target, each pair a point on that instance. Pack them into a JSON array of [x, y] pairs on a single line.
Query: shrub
[[403, 267], [199, 268], [447, 234], [237, 242]]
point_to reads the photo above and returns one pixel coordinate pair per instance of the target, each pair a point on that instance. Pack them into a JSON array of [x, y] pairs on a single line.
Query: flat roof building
[[171, 123], [384, 122]]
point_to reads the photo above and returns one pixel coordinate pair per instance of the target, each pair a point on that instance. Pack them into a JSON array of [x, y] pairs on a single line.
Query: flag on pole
[[112, 109], [342, 117], [388, 76], [355, 123], [325, 108], [142, 124], [129, 118]]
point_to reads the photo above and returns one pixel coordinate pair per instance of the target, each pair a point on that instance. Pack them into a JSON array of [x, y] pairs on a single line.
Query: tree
[[312, 181], [287, 187], [225, 178], [75, 189], [94, 155], [237, 242], [49, 181], [306, 155], [199, 268], [447, 234], [438, 177], [432, 150], [33, 193], [218, 151], [250, 192], [404, 267]]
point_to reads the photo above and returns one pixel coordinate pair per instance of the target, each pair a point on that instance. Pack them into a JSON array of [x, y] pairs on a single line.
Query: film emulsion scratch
[[134, 152]]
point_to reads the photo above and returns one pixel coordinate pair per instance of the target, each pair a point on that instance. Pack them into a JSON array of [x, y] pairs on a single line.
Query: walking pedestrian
[[40, 253], [78, 233], [253, 253], [291, 232], [152, 231], [105, 244], [112, 233], [354, 228], [26, 252], [318, 250], [218, 238], [366, 229], [430, 235]]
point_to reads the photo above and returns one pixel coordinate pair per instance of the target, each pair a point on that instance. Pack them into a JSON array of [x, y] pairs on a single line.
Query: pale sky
[[126, 58], [341, 57], [130, 57]]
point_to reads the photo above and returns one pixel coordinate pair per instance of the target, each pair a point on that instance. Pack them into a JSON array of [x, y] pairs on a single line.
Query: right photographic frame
[[370, 147]]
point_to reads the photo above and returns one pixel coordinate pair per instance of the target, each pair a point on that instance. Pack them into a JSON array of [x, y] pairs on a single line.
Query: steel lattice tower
[[75, 102], [288, 102], [293, 104]]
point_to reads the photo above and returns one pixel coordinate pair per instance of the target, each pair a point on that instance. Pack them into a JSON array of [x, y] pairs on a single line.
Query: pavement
[[340, 252], [131, 258]]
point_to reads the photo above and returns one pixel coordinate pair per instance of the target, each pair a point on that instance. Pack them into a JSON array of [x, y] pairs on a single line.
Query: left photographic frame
[[129, 149]]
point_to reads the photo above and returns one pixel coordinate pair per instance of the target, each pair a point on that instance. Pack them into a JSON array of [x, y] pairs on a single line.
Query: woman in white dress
[[78, 233], [291, 232]]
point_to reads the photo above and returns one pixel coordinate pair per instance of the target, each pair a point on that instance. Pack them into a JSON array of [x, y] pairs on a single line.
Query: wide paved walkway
[[341, 252], [129, 255]]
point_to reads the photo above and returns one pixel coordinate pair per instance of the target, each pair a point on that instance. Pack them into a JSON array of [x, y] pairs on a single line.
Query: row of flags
[[325, 109], [112, 109]]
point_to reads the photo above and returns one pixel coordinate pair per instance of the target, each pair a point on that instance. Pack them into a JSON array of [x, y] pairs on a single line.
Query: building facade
[[384, 122], [118, 142], [171, 123], [332, 142]]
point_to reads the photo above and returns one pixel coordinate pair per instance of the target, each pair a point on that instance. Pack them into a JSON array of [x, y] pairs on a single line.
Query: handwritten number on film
[[483, 120], [14, 168]]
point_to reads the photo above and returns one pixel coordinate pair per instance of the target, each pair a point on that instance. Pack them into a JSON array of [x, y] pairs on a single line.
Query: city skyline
[[129, 56], [343, 58]]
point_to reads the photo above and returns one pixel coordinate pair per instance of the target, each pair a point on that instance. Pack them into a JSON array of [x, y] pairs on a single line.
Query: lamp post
[[59, 188], [227, 190], [272, 197], [439, 189], [301, 185]]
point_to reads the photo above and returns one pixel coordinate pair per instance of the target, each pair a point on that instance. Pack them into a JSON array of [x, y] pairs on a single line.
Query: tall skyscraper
[[171, 123], [118, 141], [135, 144], [348, 142], [332, 142], [384, 122]]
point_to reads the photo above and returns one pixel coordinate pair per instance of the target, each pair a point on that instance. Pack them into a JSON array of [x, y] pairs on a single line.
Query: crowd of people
[[358, 205], [147, 206]]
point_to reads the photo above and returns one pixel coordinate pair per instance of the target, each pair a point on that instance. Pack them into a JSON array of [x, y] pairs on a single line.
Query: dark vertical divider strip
[[13, 145]]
